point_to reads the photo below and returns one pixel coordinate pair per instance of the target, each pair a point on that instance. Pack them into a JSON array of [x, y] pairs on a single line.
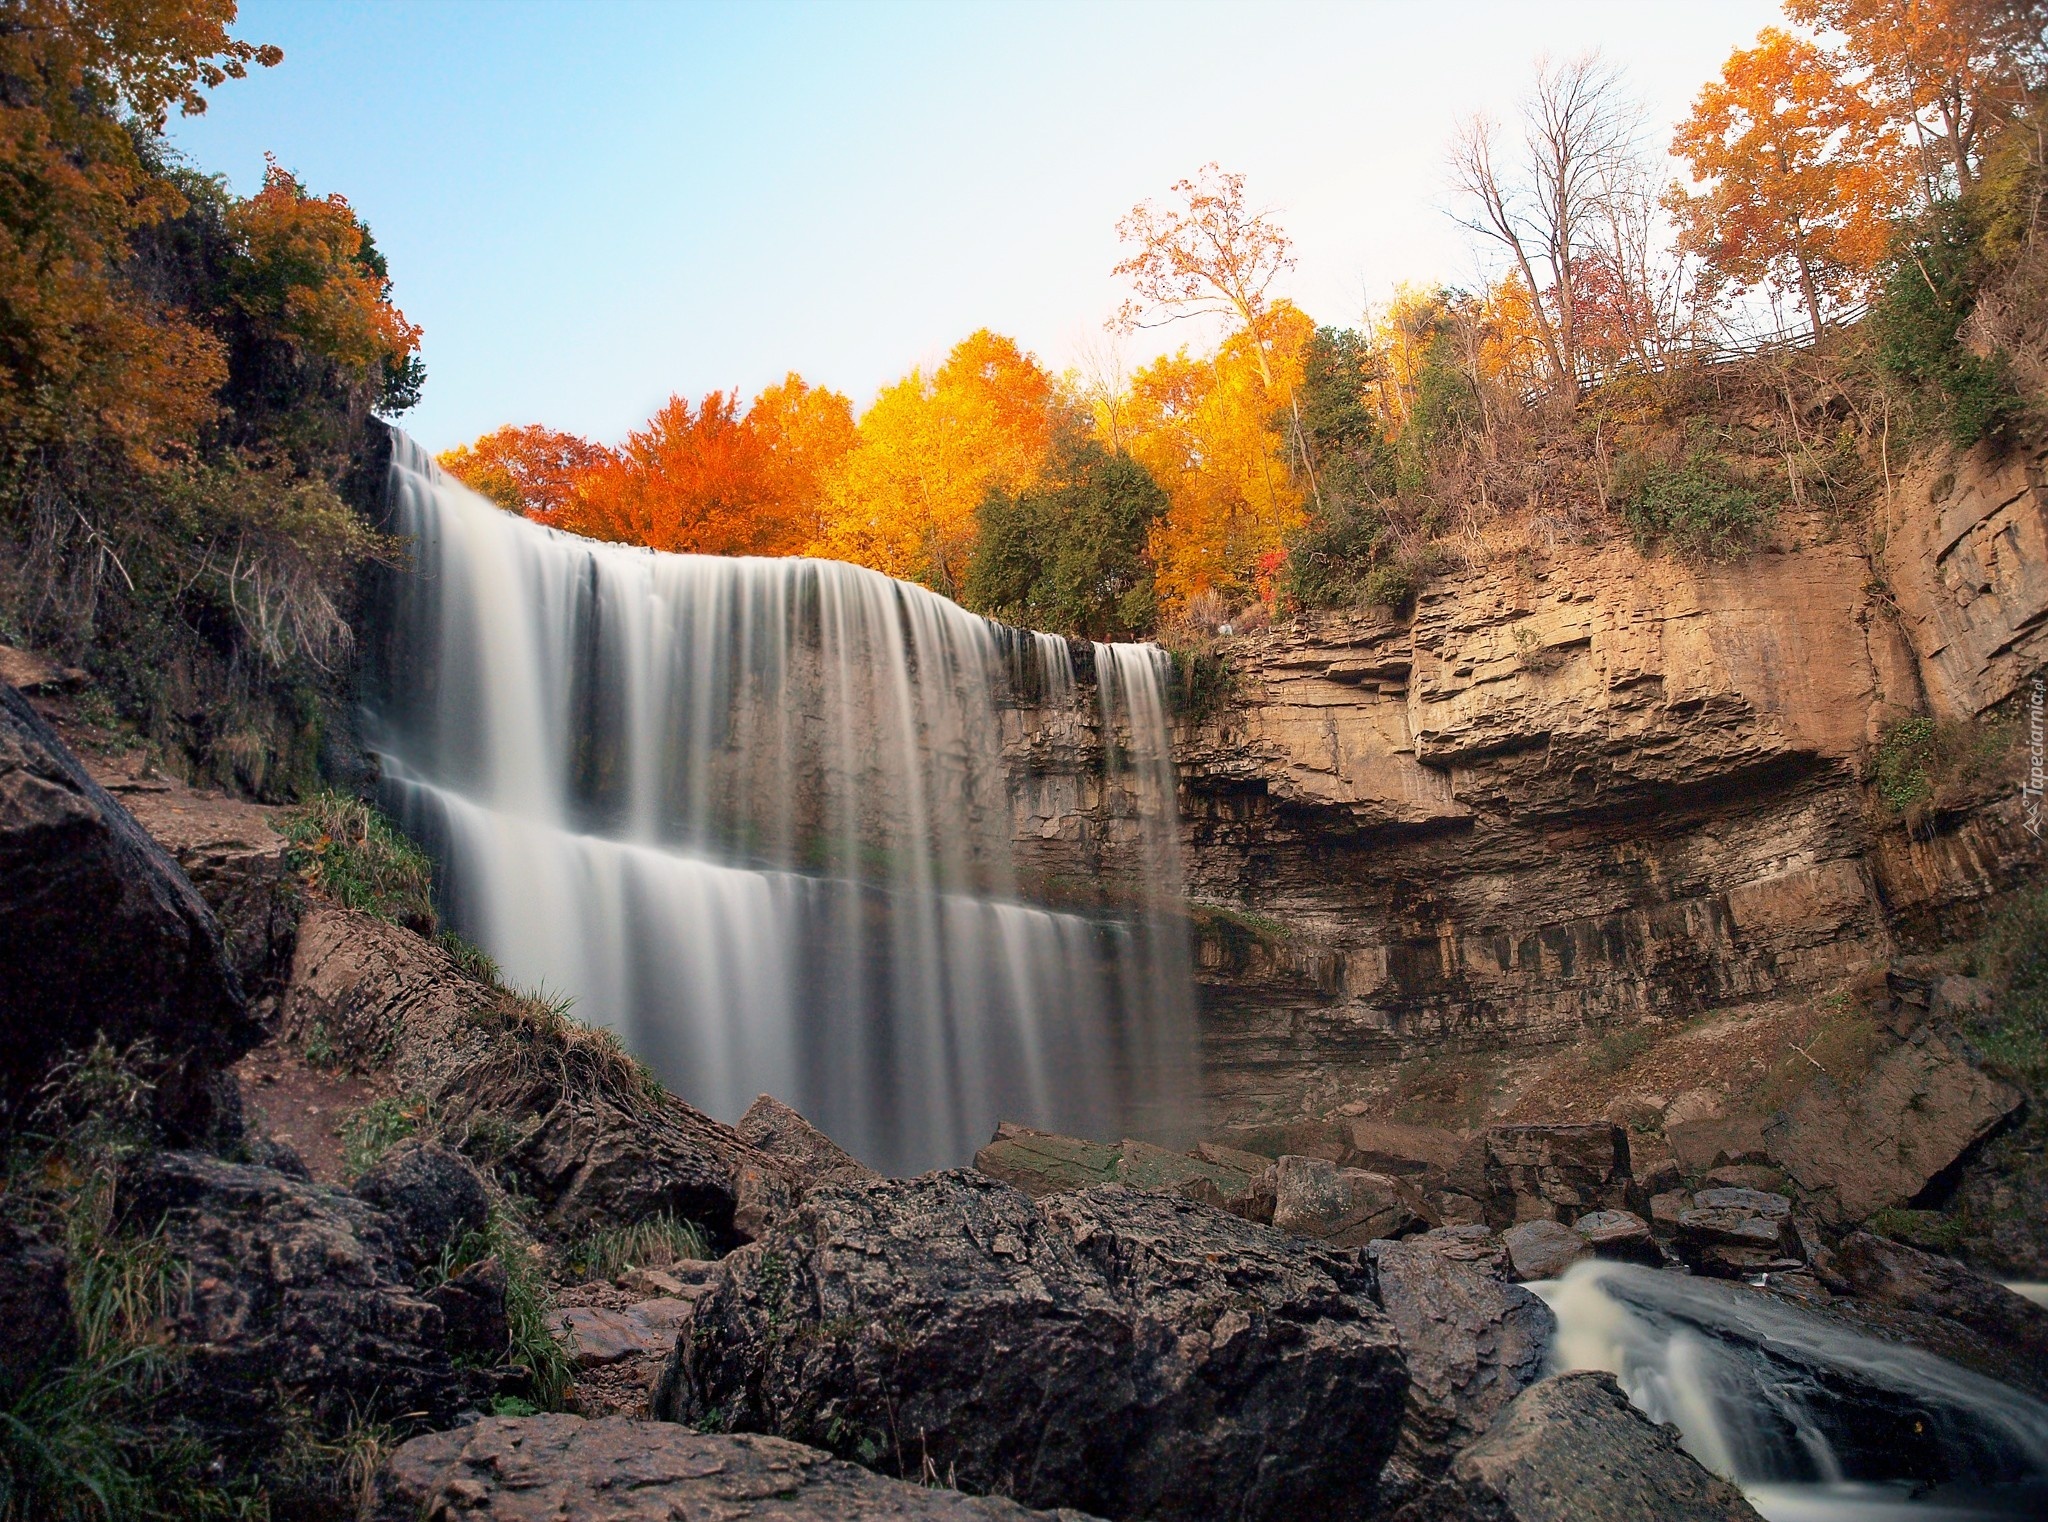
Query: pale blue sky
[[591, 205]]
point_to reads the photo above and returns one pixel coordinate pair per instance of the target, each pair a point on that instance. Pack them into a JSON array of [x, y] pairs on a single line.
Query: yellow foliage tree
[[925, 454], [1214, 434]]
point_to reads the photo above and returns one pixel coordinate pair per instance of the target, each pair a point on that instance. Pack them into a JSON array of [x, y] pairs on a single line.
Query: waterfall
[[756, 816], [1817, 1422]]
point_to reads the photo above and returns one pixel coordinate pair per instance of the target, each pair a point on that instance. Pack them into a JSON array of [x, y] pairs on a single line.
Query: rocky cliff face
[[1578, 789]]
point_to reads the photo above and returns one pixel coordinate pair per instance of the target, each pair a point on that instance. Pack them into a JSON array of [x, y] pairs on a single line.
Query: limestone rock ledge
[[1576, 790]]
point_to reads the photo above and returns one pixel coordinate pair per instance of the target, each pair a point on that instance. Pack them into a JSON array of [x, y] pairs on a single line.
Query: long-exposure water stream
[[756, 816], [1817, 1422]]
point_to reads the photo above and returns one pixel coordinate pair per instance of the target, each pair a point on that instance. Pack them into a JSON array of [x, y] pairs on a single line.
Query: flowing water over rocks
[[1812, 1419], [756, 816]]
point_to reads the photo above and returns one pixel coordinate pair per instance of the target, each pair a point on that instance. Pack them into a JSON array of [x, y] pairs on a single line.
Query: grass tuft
[[349, 850], [655, 1242]]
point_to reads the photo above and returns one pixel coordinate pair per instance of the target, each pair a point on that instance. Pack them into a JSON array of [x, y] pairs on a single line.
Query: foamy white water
[[1816, 1422], [754, 815]]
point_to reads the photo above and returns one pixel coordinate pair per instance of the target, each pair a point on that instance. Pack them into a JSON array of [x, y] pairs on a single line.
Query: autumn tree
[[85, 88], [806, 432], [529, 470], [1208, 431], [1212, 256], [1800, 175], [1551, 200], [1943, 70], [693, 481], [929, 450]]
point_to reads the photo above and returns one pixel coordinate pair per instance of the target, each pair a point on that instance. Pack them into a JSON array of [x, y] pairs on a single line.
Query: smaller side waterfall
[[1816, 1422]]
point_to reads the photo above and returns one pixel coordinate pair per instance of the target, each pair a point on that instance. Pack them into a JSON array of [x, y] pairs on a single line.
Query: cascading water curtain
[[754, 816]]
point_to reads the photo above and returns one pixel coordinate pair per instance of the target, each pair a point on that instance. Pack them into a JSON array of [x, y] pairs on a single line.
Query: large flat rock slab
[[566, 1469]]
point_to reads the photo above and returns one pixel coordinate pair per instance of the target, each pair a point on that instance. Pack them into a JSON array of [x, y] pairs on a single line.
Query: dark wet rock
[[1346, 1207], [1425, 1154], [103, 937], [774, 1129], [587, 1139], [1472, 1342], [1667, 1206], [299, 1298], [1556, 1171], [566, 1469], [1620, 1235], [1543, 1249], [36, 1331], [598, 1335], [1880, 1141], [1876, 1269], [1572, 1449], [269, 1152], [472, 1306], [1134, 1355], [433, 1194]]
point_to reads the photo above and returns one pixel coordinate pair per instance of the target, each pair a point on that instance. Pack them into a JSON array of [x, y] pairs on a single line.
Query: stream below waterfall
[[1816, 1422], [760, 817]]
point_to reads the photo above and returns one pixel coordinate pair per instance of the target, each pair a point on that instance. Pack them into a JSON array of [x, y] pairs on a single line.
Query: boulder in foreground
[[1572, 1449], [102, 935], [296, 1298], [1132, 1355], [1472, 1342]]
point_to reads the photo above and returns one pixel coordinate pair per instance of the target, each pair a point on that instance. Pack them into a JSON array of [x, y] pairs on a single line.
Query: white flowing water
[[1816, 1422], [754, 815]]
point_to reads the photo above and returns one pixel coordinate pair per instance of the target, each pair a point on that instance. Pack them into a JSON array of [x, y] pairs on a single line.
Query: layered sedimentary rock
[[1576, 788]]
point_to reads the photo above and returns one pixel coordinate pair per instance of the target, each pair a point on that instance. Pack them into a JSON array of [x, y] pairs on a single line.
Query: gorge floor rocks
[[1470, 1340], [1127, 1354], [550, 1468]]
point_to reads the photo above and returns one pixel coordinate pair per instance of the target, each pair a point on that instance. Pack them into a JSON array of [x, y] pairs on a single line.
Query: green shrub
[[1701, 506], [1928, 291], [351, 851], [1920, 765], [2013, 953], [1390, 584], [1328, 562], [470, 958]]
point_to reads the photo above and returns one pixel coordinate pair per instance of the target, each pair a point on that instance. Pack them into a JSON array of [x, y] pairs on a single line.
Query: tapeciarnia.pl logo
[[2037, 754]]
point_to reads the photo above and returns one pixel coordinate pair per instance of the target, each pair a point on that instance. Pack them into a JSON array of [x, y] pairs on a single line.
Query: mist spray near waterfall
[[755, 816]]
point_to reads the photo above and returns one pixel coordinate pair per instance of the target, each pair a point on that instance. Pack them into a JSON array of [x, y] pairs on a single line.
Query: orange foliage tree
[[530, 470], [314, 280], [85, 348], [1801, 175], [929, 450], [1214, 257], [1945, 68], [692, 482]]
